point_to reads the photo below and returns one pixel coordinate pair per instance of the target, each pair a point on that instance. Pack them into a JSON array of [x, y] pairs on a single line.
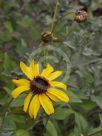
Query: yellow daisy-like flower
[[41, 88]]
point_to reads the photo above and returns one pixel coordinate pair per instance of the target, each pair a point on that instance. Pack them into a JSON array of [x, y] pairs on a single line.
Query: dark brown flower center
[[39, 85]]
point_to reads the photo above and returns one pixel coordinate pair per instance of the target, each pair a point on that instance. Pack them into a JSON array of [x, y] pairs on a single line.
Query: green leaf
[[51, 130], [31, 26], [74, 98], [62, 113], [87, 105], [95, 131], [8, 26], [21, 49], [18, 101], [22, 132], [18, 118], [5, 37], [25, 21], [81, 126], [8, 64], [97, 99], [9, 123]]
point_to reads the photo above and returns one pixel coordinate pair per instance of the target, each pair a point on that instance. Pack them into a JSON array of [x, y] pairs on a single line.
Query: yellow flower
[[40, 87]]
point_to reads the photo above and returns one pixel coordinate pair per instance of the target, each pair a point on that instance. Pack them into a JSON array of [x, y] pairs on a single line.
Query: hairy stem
[[54, 16]]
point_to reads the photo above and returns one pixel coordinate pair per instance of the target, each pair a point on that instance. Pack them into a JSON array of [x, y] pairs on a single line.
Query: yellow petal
[[46, 104], [25, 69], [21, 82], [16, 92], [54, 98], [32, 63], [31, 108], [54, 75], [36, 70], [58, 84], [34, 107], [27, 101], [32, 69], [47, 70], [63, 97]]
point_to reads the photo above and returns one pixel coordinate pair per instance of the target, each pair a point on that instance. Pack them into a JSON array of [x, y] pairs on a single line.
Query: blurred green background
[[21, 25]]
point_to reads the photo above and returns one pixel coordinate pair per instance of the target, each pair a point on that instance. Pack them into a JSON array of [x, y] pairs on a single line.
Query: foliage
[[78, 53]]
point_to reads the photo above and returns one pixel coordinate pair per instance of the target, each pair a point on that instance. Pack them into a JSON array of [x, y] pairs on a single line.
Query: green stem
[[4, 114], [45, 54], [54, 16], [47, 119]]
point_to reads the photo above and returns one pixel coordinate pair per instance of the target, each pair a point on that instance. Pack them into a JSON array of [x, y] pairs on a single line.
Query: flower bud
[[48, 37]]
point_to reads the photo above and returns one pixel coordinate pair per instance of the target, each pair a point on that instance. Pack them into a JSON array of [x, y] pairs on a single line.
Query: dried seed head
[[48, 37], [81, 16]]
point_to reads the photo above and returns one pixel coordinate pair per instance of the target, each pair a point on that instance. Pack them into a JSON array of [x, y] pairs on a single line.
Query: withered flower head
[[81, 16], [48, 37]]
